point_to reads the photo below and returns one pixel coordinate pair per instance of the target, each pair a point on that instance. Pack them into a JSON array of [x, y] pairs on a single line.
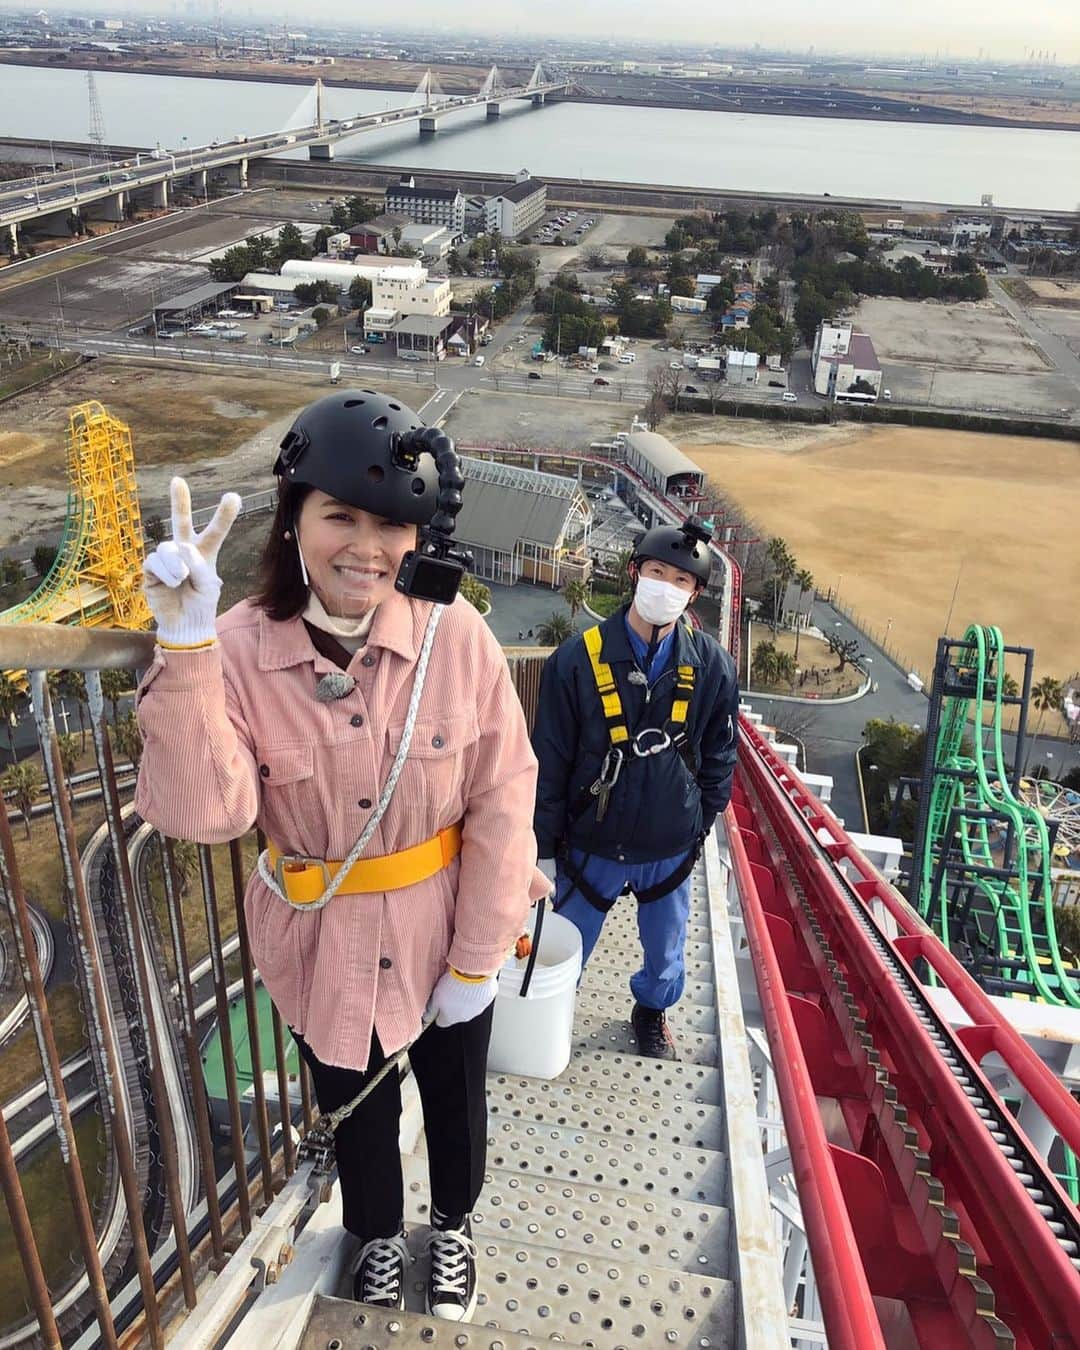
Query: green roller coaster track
[[972, 801]]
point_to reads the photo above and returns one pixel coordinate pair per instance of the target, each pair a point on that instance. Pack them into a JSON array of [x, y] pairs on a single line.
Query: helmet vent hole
[[396, 407], [375, 473], [418, 486], [380, 423], [355, 402]]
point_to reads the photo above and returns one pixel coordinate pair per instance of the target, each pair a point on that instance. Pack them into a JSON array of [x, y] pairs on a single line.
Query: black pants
[[450, 1064]]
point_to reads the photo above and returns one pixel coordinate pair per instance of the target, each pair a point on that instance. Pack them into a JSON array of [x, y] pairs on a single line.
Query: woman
[[290, 712]]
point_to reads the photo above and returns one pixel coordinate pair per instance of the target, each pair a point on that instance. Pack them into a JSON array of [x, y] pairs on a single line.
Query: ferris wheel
[[1058, 804]]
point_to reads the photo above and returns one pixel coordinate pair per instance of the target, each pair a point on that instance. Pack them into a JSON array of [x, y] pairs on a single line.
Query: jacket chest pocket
[[435, 768], [286, 779]]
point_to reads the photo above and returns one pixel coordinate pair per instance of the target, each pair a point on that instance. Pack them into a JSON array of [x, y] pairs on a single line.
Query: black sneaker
[[654, 1037], [379, 1272], [451, 1292]]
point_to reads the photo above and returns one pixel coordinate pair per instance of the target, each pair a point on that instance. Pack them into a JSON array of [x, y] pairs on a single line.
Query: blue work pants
[[661, 923]]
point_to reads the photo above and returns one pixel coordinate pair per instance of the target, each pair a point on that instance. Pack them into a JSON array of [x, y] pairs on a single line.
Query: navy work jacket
[[660, 805]]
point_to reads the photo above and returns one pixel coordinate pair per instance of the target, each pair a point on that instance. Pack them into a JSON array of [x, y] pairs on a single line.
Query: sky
[[1000, 29]]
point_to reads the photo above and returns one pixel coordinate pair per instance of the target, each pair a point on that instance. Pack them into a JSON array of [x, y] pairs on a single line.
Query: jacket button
[[264, 769], [437, 742], [385, 963], [364, 803], [368, 660], [356, 720]]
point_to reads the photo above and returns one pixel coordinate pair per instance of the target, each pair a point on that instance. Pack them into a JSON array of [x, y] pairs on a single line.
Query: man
[[636, 734]]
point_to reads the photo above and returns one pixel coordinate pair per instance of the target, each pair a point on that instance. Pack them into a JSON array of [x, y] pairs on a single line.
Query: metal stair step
[[591, 1158], [599, 975], [616, 961], [628, 950], [593, 1220], [340, 1321], [647, 1081], [685, 1124], [614, 1034], [598, 1001]]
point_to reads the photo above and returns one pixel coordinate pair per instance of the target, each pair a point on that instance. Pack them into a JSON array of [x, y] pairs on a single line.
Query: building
[[704, 282], [377, 235], [688, 304], [345, 273], [431, 242], [843, 359], [426, 205], [663, 465], [409, 291], [517, 208], [742, 367], [522, 525], [424, 334], [966, 231], [190, 306]]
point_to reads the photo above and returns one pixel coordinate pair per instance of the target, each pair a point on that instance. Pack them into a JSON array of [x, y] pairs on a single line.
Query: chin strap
[[654, 644]]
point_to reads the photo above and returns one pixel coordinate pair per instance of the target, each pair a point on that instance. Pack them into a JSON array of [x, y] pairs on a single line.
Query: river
[[910, 162]]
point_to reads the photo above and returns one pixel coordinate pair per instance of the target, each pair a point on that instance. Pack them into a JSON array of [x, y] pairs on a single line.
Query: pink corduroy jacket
[[233, 736]]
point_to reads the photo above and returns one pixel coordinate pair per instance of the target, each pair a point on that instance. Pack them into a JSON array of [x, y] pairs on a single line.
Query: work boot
[[654, 1037], [451, 1292], [379, 1272]]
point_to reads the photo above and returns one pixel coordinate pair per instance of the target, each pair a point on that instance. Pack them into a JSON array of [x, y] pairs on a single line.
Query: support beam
[[159, 194], [429, 124], [494, 110], [11, 242], [538, 100], [324, 150], [198, 182], [111, 208]]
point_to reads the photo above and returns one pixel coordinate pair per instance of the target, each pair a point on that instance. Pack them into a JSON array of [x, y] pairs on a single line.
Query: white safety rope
[[266, 872]]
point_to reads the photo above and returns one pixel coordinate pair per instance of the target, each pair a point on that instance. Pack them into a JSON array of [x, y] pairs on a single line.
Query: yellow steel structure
[[96, 580]]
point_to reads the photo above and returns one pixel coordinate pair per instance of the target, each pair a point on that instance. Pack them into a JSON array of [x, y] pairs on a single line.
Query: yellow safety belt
[[606, 688], [684, 692]]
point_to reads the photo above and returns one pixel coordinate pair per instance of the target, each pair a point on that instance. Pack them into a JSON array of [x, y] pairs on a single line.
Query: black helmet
[[347, 444], [685, 546]]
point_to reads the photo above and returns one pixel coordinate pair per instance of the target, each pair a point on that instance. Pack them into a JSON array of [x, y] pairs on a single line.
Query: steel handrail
[[851, 1322]]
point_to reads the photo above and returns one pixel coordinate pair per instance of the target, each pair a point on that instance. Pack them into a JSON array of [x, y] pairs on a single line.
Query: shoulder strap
[[606, 687]]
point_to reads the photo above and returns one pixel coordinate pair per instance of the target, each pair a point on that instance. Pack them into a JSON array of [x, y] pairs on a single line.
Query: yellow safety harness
[[606, 687]]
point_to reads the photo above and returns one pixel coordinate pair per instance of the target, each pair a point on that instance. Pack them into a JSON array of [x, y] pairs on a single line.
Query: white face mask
[[659, 602]]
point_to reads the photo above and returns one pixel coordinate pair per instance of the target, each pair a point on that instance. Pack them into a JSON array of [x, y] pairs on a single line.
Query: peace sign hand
[[180, 577]]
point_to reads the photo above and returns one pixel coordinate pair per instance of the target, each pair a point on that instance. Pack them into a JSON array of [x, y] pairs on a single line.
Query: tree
[[575, 593], [783, 569], [72, 684], [128, 738], [360, 292], [595, 259], [554, 631], [321, 316], [1045, 695], [811, 309], [316, 292], [114, 685], [11, 572], [477, 594], [805, 582], [622, 570], [44, 555], [24, 782], [637, 259], [763, 663], [290, 245], [846, 650], [69, 757], [153, 529], [721, 297]]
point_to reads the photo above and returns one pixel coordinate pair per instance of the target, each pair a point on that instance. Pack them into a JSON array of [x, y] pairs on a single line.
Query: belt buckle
[[643, 750], [279, 874]]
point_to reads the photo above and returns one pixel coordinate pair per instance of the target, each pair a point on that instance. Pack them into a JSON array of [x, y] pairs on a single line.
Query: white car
[[479, 361], [676, 365], [886, 394], [788, 397], [627, 359]]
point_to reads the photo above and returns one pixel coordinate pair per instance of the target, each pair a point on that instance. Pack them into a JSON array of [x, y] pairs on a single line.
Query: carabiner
[[643, 749]]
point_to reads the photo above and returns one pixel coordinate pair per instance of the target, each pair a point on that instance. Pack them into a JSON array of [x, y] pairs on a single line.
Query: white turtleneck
[[351, 633]]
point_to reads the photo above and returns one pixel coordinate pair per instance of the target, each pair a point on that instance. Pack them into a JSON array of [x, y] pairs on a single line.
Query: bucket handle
[[526, 980]]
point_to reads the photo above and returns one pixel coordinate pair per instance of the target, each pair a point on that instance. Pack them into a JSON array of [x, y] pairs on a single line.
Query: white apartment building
[[517, 207], [840, 359], [426, 205], [408, 291]]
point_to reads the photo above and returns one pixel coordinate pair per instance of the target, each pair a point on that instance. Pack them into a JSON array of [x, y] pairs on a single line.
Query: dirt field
[[966, 336], [896, 512], [229, 423]]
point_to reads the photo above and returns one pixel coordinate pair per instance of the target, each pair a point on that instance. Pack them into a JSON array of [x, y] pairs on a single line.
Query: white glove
[[180, 579], [454, 1000], [547, 866]]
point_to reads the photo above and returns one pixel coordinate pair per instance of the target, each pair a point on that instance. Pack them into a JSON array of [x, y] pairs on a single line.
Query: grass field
[[892, 515]]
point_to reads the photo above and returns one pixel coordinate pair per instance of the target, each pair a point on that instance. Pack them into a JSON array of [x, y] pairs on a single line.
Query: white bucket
[[532, 1035]]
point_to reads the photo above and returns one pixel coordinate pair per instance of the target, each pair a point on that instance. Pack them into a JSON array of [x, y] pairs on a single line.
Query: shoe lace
[[450, 1253], [382, 1261]]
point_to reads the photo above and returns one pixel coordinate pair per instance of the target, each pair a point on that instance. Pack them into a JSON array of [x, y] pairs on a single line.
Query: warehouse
[[524, 526], [190, 306]]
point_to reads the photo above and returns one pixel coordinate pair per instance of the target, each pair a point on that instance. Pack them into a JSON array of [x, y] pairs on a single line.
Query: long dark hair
[[282, 593]]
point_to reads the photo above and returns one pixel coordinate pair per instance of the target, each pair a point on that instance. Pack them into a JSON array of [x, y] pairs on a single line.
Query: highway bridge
[[107, 188]]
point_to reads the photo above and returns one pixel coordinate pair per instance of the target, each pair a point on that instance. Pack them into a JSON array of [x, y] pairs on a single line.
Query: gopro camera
[[425, 575]]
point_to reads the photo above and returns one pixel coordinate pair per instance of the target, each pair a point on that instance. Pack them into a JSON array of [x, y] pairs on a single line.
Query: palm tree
[[763, 667], [128, 738], [72, 685], [23, 781], [114, 685], [69, 757], [555, 631], [783, 565], [805, 582], [1045, 695], [622, 570], [575, 593]]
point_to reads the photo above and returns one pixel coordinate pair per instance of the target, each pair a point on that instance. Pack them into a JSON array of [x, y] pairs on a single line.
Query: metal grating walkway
[[605, 1219]]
